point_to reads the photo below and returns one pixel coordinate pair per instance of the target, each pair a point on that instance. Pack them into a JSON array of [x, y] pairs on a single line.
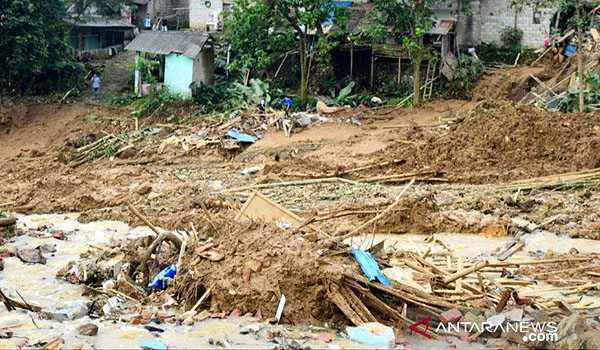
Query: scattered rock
[[186, 315], [514, 315], [147, 314], [88, 329], [31, 256], [254, 265], [251, 328], [68, 312], [236, 313], [143, 190], [450, 316], [203, 315], [324, 338], [60, 235], [47, 248]]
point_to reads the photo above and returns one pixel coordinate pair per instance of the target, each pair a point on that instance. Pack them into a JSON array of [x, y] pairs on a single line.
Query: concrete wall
[[179, 72], [496, 14], [487, 19], [200, 14], [167, 8], [204, 67]]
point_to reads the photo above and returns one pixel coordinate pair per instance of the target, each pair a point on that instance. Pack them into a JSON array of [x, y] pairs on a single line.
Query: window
[[537, 17]]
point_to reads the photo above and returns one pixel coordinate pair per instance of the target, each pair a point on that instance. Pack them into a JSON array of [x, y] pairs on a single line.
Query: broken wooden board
[[595, 34], [510, 251], [260, 207]]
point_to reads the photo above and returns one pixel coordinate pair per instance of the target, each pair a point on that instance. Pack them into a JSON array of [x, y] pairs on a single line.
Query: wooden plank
[[260, 207], [507, 253], [595, 34]]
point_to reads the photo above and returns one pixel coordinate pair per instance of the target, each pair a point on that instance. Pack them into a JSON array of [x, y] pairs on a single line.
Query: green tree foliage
[[102, 7], [249, 30], [35, 54], [409, 20], [260, 31]]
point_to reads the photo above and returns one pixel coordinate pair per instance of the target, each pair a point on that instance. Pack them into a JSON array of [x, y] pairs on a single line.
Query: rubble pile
[[290, 271], [499, 135]]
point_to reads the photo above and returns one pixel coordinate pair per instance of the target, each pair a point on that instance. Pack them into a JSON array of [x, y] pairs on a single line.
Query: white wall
[[200, 14]]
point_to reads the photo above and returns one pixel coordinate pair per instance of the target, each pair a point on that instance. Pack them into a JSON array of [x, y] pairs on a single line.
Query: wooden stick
[[413, 126], [379, 216], [201, 300], [537, 262], [291, 183], [208, 217], [542, 84], [480, 265], [367, 167], [460, 266]]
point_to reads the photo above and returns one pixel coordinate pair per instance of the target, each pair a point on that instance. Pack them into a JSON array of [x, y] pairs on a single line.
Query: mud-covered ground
[[463, 154]]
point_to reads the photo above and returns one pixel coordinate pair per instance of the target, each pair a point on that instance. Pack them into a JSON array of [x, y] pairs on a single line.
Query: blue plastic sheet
[[372, 333], [160, 281], [151, 344], [235, 134], [370, 267]]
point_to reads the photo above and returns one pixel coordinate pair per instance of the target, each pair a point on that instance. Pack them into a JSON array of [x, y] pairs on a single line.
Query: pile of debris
[[267, 262], [499, 135], [548, 89]]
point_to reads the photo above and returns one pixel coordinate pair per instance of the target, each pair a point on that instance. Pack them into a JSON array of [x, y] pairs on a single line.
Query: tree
[[100, 7], [35, 54], [248, 30], [407, 21], [581, 21], [261, 28]]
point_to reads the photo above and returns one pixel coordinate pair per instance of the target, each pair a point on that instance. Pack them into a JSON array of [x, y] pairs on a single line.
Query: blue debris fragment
[[287, 102], [151, 344], [160, 281], [372, 333], [370, 267], [235, 134]]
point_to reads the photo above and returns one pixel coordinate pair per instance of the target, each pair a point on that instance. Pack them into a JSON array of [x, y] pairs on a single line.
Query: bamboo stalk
[[290, 183], [379, 216]]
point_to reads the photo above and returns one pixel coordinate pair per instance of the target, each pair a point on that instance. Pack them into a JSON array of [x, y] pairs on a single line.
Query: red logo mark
[[413, 327]]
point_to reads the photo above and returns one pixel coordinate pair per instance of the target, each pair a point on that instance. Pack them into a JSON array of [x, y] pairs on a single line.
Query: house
[[185, 57], [195, 14], [487, 18], [99, 36]]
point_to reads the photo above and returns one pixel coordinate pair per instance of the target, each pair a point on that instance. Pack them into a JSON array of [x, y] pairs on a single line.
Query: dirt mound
[[502, 83], [8, 114], [502, 142], [260, 263]]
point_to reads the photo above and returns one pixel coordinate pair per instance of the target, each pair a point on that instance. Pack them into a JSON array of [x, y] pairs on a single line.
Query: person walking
[[147, 22], [165, 23], [96, 87]]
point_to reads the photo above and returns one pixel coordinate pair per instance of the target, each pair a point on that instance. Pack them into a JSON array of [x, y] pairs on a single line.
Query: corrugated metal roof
[[443, 27], [187, 43], [97, 21]]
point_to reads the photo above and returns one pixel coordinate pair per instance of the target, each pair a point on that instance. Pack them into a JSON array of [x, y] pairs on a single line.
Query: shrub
[[511, 37]]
